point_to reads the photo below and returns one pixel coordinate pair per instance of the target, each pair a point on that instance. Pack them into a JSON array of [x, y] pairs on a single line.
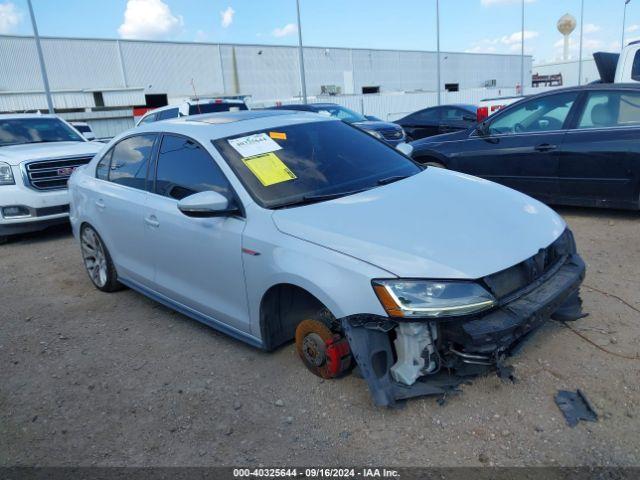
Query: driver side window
[[538, 115]]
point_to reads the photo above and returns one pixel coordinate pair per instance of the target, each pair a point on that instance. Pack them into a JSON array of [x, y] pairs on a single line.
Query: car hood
[[376, 125], [444, 137], [436, 224], [16, 154]]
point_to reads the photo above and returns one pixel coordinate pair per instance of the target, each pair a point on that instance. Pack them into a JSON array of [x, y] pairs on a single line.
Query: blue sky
[[466, 25]]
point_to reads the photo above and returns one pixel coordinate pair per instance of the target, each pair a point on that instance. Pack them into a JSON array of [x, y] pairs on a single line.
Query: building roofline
[[260, 45]]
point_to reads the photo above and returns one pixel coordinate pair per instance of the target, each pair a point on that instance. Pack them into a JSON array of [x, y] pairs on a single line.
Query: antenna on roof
[[195, 95]]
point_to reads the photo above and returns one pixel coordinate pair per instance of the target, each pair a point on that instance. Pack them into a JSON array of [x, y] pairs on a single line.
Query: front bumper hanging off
[[467, 346]]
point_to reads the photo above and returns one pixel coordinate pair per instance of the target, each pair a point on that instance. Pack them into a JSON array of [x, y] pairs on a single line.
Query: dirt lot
[[90, 378]]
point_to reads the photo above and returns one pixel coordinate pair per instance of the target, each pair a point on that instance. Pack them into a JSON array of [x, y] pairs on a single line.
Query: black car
[[571, 146], [386, 131], [437, 120]]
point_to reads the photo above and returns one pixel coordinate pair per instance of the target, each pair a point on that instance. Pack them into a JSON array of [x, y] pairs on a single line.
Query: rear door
[[520, 147], [599, 161], [119, 206]]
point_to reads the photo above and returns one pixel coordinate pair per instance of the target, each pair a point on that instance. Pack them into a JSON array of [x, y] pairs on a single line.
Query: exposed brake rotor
[[324, 353]]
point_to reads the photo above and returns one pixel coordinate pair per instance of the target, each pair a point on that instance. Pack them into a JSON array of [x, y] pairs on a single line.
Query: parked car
[[385, 131], [274, 226], [84, 129], [437, 120], [571, 146], [192, 107], [38, 153]]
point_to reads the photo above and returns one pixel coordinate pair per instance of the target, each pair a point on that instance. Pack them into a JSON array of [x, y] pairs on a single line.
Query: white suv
[[38, 153], [192, 107]]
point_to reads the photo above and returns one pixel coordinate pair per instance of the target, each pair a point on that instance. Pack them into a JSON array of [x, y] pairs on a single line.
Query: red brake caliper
[[338, 355]]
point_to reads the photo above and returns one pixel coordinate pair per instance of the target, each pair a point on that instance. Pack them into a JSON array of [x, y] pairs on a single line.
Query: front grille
[[507, 282], [45, 211], [392, 134], [53, 174]]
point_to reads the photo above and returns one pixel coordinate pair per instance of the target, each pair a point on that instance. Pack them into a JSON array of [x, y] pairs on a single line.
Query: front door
[[519, 147], [198, 260], [600, 158]]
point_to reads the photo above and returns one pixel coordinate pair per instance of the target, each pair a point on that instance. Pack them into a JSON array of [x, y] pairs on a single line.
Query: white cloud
[[516, 37], [150, 19], [226, 17], [633, 28], [10, 17], [288, 29], [490, 3], [506, 44], [591, 28], [481, 49], [589, 45]]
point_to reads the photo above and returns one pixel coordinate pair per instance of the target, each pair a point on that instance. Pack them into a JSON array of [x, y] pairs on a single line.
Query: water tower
[[566, 25]]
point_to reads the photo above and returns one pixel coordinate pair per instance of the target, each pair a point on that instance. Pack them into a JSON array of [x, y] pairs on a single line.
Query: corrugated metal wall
[[265, 72]]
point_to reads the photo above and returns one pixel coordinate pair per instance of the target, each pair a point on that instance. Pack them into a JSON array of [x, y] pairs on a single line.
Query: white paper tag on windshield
[[253, 145]]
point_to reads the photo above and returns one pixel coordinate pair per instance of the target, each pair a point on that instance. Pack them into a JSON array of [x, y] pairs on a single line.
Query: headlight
[[431, 298], [373, 133], [6, 175]]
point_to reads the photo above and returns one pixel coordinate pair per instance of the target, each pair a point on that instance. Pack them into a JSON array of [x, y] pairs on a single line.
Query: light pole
[[580, 49], [438, 47], [522, 51], [624, 22], [43, 68], [303, 81]]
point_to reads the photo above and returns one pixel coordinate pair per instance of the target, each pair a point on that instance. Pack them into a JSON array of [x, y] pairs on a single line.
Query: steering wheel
[[552, 123]]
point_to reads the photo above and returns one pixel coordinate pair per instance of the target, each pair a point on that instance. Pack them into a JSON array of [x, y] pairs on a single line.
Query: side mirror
[[405, 148], [470, 118], [482, 129], [205, 204]]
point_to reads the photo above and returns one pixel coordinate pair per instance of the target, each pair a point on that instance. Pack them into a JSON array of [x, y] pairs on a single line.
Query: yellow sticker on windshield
[[278, 135], [269, 169]]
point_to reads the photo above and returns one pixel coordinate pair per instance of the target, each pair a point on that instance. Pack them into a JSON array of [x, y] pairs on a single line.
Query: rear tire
[[97, 261], [3, 239]]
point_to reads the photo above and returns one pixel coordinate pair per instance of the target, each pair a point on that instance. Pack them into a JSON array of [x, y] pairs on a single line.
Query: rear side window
[[102, 170], [429, 115], [166, 114], [185, 168], [635, 69], [611, 109], [148, 119], [130, 160]]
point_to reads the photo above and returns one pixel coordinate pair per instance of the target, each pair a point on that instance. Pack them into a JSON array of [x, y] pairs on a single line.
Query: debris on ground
[[575, 407]]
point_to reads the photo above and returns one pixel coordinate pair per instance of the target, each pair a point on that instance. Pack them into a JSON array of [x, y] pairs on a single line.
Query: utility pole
[[303, 81], [438, 47], [624, 22], [43, 68], [522, 51], [580, 49]]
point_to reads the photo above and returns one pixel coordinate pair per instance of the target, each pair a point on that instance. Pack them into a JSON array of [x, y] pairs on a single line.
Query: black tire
[[3, 239], [97, 261]]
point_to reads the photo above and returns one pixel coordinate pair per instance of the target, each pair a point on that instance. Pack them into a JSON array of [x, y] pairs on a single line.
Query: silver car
[[277, 226]]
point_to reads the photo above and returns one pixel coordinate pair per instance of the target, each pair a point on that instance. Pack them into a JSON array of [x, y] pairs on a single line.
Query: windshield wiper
[[308, 199], [395, 178]]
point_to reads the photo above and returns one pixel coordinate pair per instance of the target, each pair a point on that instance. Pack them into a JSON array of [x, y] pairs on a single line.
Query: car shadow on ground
[[55, 232], [593, 212]]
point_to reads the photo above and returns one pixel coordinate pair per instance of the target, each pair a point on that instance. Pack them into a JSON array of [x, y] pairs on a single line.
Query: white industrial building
[[101, 74]]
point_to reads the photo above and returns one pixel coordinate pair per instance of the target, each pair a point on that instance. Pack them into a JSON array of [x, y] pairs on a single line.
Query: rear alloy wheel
[[97, 261], [324, 353]]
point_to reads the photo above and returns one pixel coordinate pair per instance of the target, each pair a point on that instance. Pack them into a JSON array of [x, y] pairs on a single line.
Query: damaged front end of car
[[440, 333]]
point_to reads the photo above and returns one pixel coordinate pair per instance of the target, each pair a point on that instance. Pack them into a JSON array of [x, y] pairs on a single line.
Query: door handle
[[152, 221], [100, 204], [545, 147]]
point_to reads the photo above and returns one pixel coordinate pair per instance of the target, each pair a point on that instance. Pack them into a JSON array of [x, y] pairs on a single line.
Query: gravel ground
[[89, 378]]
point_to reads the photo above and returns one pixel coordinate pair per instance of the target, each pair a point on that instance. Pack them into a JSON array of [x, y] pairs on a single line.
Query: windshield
[[316, 161], [17, 131], [215, 107], [342, 113]]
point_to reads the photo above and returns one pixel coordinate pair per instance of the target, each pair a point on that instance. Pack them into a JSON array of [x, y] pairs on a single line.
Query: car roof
[[210, 126], [597, 86], [11, 116]]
